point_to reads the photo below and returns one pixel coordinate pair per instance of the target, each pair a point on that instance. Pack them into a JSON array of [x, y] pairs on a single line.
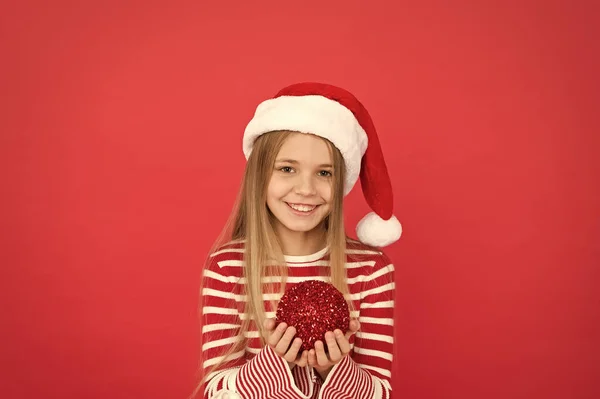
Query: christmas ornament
[[313, 308]]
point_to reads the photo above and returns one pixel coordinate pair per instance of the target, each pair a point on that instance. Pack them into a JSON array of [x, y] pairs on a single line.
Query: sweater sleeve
[[304, 378], [366, 372], [243, 375]]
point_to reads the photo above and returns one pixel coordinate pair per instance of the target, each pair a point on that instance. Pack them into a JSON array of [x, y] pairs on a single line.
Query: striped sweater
[[256, 372]]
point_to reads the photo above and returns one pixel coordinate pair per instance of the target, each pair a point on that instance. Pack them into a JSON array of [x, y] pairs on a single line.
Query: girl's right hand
[[279, 339]]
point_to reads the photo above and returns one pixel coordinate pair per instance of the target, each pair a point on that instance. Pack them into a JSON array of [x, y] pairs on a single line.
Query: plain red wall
[[121, 127]]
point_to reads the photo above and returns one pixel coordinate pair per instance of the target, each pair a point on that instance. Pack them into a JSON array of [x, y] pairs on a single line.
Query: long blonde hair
[[252, 222]]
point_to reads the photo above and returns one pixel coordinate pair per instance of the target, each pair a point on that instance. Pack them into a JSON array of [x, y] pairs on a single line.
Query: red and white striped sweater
[[257, 372]]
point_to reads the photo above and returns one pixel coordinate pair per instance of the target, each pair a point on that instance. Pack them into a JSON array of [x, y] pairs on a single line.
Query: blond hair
[[252, 222]]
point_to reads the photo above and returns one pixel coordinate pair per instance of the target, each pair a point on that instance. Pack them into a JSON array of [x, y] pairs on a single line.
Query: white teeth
[[302, 208]]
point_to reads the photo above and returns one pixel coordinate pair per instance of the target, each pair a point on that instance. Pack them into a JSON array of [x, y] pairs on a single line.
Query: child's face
[[300, 190]]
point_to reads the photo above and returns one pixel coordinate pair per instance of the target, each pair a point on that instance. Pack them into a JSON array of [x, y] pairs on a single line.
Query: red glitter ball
[[313, 308]]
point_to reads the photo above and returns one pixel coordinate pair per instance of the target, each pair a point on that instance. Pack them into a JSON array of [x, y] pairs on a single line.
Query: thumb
[[354, 327], [269, 324]]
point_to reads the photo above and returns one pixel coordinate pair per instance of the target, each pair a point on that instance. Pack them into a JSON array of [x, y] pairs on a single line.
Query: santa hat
[[336, 115]]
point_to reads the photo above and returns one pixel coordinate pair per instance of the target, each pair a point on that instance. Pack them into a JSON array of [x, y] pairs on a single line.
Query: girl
[[305, 148]]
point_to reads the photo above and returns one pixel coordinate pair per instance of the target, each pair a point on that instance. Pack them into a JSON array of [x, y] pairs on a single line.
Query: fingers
[[302, 359], [279, 339], [292, 353], [338, 345], [281, 348], [276, 335], [332, 347], [269, 324], [342, 342], [354, 327], [321, 356], [312, 358]]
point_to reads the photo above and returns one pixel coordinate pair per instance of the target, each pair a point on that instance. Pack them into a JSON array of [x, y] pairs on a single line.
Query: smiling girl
[[306, 148]]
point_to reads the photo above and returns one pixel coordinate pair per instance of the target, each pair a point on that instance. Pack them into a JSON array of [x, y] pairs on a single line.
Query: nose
[[305, 186]]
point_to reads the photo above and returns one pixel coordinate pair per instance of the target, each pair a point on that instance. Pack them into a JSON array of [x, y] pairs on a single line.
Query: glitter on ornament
[[313, 308]]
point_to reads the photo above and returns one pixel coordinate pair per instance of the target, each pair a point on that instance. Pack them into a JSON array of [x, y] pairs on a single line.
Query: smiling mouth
[[302, 208]]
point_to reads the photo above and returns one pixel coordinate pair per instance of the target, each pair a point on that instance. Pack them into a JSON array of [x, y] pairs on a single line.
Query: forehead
[[305, 148]]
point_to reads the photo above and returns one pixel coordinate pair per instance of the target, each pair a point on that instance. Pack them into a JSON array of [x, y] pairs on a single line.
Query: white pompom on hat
[[336, 115]]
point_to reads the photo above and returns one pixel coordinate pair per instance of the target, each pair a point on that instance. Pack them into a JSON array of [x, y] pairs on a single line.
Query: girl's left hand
[[338, 346]]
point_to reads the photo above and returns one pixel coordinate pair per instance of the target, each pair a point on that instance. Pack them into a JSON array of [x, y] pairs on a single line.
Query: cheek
[[326, 191], [277, 189]]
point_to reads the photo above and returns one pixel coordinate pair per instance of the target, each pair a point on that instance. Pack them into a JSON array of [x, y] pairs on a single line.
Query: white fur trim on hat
[[375, 231], [316, 115]]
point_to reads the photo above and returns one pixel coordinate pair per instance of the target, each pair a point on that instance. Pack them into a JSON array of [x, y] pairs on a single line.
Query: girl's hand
[[338, 346], [280, 338]]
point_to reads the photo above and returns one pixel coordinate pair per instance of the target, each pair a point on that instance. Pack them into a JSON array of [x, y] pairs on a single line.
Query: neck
[[300, 243]]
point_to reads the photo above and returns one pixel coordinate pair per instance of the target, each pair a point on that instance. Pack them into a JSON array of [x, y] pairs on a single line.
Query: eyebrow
[[294, 162]]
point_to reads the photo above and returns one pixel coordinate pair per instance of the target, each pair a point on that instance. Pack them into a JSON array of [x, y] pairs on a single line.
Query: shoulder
[[357, 251], [228, 250], [226, 259], [376, 271]]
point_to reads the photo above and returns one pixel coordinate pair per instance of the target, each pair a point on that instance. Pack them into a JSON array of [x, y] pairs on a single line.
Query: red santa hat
[[336, 115]]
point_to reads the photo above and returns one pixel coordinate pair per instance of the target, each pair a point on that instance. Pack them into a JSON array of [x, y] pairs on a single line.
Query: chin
[[300, 227]]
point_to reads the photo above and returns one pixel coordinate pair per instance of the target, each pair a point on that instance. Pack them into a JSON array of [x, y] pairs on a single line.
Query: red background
[[121, 153]]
